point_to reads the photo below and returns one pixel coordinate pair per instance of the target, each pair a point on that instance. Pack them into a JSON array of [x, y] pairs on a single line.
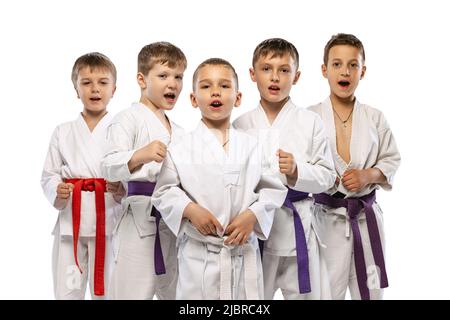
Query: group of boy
[[282, 198]]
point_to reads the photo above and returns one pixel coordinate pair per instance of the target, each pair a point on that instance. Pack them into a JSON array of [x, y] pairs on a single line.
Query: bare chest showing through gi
[[343, 138]]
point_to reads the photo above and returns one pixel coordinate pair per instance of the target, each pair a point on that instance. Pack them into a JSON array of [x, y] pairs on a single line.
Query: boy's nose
[[215, 93], [275, 77], [345, 72], [172, 84]]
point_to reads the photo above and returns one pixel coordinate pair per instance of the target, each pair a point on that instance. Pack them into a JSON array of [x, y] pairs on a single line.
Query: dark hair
[[93, 60], [215, 62], [343, 39], [160, 52], [277, 47]]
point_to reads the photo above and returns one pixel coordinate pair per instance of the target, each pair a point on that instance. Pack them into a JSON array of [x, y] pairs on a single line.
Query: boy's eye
[[225, 86], [85, 83], [336, 64], [284, 70], [204, 86], [104, 82], [180, 77], [354, 65], [162, 76], [265, 68]]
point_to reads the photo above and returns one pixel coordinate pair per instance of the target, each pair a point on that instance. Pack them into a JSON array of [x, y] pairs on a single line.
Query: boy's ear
[[114, 91], [238, 100], [363, 72], [297, 76], [141, 80], [78, 95], [324, 71], [252, 74], [193, 100]]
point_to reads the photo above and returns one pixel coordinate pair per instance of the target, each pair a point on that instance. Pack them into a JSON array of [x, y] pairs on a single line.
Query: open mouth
[[274, 88], [170, 96], [344, 83], [95, 99], [216, 104]]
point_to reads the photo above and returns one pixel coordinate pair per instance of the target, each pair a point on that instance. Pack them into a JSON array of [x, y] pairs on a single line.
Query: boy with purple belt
[[296, 150], [145, 253], [365, 158]]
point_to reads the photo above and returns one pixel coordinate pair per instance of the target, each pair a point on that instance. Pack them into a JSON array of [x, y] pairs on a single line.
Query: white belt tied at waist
[[216, 245]]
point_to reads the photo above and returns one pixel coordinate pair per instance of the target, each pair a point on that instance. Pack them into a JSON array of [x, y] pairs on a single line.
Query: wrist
[[292, 178]]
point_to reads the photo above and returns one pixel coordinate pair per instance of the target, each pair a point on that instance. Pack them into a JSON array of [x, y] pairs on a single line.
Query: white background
[[407, 47]]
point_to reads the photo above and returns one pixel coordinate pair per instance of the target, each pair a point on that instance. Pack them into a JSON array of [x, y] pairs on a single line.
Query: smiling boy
[[73, 183]]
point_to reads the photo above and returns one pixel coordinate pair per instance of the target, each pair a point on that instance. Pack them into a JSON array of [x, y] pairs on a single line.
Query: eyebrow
[[219, 80], [270, 64], [88, 78]]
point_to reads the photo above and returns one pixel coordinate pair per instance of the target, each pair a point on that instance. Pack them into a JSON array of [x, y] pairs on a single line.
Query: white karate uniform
[[197, 169], [300, 132], [372, 145], [76, 152], [134, 274]]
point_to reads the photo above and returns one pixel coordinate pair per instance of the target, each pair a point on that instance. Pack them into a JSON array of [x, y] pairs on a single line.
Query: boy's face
[[95, 87], [215, 93], [344, 70], [274, 77], [162, 85]]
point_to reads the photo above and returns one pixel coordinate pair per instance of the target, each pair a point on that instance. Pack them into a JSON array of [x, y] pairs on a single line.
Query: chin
[[167, 108]]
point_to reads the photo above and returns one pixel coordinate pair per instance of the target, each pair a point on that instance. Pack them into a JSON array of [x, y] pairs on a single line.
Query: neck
[[146, 102], [342, 103], [272, 109], [218, 125], [92, 118]]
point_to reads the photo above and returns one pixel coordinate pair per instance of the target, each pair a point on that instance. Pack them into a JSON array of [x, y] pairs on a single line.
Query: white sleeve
[[388, 158], [317, 174], [271, 194], [120, 150], [168, 198], [51, 174]]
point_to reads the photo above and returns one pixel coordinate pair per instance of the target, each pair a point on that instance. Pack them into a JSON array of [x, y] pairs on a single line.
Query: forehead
[[215, 72], [97, 71], [346, 52], [275, 59], [164, 67]]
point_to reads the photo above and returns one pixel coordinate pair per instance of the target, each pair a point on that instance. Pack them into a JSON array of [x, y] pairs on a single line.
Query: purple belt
[[301, 247], [354, 207], [145, 188]]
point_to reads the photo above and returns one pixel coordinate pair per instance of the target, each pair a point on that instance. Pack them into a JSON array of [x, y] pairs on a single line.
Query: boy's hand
[[63, 190], [288, 166], [240, 228], [116, 189], [155, 151], [355, 180], [203, 220]]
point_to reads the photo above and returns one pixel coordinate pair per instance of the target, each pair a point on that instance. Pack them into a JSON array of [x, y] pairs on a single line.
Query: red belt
[[99, 186]]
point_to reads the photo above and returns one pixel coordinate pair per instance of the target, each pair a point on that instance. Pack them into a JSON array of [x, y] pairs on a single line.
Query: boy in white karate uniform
[[296, 151], [145, 253], [213, 195], [72, 182], [365, 158]]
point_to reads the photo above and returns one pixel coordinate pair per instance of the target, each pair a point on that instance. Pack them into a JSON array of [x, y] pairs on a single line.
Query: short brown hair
[[343, 39], [277, 47], [215, 62], [162, 53], [93, 60]]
